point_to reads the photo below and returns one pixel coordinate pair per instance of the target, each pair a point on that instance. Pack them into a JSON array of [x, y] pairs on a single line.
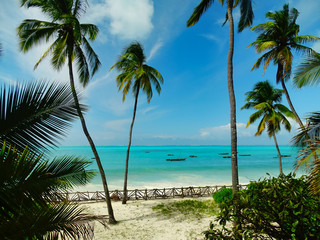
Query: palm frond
[[35, 114], [92, 57], [28, 183], [308, 72], [82, 65], [198, 11], [246, 14], [32, 32]]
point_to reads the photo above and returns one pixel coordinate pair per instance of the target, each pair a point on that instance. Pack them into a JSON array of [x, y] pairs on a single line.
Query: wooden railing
[[145, 194]]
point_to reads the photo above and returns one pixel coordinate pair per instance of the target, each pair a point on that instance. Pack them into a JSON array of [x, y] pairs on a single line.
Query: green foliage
[[193, 208], [35, 114], [278, 208], [223, 195], [29, 187]]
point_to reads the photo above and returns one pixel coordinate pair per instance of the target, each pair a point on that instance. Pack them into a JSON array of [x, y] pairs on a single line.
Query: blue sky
[[193, 108]]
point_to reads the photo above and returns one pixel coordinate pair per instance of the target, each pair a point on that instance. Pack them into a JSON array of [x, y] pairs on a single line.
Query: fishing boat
[[176, 159]]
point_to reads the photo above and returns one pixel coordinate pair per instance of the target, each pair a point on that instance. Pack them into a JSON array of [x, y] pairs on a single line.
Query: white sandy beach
[[137, 221]]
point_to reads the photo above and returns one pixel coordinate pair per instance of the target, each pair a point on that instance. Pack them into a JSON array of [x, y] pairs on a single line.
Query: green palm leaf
[[35, 114], [28, 183], [308, 72]]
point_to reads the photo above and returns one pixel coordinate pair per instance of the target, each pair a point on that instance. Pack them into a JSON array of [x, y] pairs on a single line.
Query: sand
[[137, 221]]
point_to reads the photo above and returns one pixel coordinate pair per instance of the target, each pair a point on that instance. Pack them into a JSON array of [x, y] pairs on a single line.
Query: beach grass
[[188, 208]]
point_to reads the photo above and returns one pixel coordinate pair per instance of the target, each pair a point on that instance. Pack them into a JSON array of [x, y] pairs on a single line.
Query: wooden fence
[[146, 194]]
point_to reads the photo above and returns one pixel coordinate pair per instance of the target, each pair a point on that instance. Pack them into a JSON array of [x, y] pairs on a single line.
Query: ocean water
[[148, 167]]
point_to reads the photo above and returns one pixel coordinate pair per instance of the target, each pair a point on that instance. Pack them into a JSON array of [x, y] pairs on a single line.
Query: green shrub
[[223, 195], [278, 208]]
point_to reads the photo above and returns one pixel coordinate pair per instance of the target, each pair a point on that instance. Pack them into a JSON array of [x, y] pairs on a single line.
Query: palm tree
[[309, 154], [266, 100], [135, 75], [71, 42], [37, 114], [246, 17], [277, 38]]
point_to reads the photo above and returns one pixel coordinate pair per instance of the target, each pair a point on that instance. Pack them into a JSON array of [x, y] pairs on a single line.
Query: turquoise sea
[[148, 167]]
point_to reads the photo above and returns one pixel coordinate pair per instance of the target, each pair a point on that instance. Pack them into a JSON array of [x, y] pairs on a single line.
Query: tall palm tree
[[37, 114], [277, 38], [266, 100], [135, 75], [246, 17], [70, 43]]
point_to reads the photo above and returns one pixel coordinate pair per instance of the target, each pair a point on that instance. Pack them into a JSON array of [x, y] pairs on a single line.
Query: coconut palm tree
[[71, 43], [309, 153], [266, 100], [135, 75], [277, 38], [37, 114], [246, 17]]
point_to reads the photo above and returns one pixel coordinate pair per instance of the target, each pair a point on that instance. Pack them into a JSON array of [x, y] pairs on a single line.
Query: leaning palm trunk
[[279, 154], [233, 126], [94, 150], [125, 186], [290, 104]]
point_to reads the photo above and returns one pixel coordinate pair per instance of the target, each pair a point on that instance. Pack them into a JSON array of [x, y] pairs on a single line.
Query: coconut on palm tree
[[266, 100], [135, 75], [37, 114], [70, 41], [246, 17], [277, 38]]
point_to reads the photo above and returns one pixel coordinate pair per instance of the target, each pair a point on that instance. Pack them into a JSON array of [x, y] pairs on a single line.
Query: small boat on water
[[193, 156], [223, 153], [176, 159], [244, 154], [283, 156], [226, 156], [170, 154]]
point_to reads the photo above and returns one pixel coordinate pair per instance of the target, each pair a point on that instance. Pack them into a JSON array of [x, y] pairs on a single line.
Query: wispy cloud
[[155, 49], [224, 130], [118, 125]]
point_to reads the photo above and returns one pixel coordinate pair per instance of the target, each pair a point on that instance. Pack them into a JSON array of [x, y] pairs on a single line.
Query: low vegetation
[[191, 208], [223, 195], [273, 208]]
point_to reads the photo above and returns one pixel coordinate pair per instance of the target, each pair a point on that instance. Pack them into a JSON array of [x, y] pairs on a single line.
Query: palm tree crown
[[246, 13], [135, 73], [266, 100], [278, 37], [70, 36]]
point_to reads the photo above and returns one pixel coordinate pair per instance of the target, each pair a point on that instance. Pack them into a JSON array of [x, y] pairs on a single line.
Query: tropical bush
[[223, 195], [277, 208]]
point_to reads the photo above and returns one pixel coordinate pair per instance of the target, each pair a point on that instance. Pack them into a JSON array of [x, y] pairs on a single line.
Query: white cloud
[[127, 19], [148, 109]]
